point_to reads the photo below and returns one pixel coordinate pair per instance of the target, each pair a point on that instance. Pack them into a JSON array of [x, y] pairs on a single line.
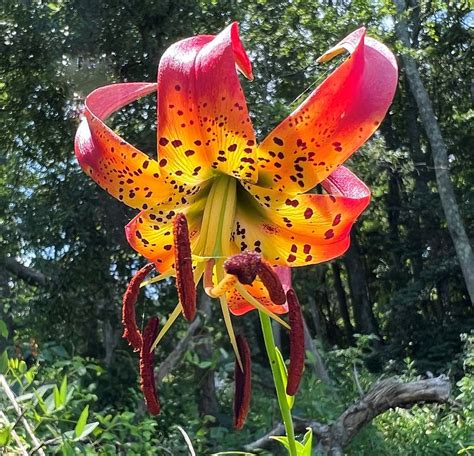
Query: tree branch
[[175, 356], [385, 395], [29, 275]]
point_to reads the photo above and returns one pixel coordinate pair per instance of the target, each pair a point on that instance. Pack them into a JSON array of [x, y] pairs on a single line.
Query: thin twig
[[26, 425], [14, 435]]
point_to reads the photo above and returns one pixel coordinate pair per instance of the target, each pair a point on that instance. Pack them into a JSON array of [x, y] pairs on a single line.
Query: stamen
[[184, 267], [226, 284], [131, 332], [147, 375], [272, 283], [297, 349], [243, 386], [244, 265], [258, 305]]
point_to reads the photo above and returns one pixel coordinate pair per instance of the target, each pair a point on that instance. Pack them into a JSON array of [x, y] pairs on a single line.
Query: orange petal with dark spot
[[299, 230], [147, 375], [334, 121], [150, 233], [118, 167], [184, 267], [238, 305], [203, 121], [297, 350], [131, 332], [243, 386]]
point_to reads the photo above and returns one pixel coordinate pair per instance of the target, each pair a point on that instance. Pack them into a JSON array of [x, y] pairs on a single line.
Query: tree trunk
[[440, 156], [342, 302], [317, 363], [365, 322]]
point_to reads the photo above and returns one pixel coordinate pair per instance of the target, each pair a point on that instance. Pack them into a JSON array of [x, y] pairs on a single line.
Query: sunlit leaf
[[81, 422], [284, 376], [3, 329]]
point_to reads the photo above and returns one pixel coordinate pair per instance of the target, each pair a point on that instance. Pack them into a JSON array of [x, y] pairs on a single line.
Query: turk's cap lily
[[238, 195], [212, 192]]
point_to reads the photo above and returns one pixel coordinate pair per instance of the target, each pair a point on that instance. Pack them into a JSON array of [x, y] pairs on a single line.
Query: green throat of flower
[[218, 219]]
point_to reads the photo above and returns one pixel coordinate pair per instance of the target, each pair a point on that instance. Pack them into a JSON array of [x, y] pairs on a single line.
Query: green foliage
[[60, 346]]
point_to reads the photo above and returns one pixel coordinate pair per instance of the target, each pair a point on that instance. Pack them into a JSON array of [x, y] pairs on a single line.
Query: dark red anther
[[272, 283], [244, 266], [184, 267], [147, 375], [131, 332], [243, 386], [297, 351]]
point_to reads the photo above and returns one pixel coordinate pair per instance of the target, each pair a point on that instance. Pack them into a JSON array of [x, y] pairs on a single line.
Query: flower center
[[218, 219]]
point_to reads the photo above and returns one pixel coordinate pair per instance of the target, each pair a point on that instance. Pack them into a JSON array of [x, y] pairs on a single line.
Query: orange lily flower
[[235, 194]]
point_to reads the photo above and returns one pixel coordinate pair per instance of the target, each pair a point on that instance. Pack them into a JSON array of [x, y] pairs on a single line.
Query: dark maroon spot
[[177, 87], [337, 220], [290, 202], [145, 164], [294, 248], [176, 143], [163, 162], [163, 141], [180, 113], [306, 248], [291, 258], [189, 152], [329, 234], [197, 142], [232, 147], [278, 141], [308, 213]]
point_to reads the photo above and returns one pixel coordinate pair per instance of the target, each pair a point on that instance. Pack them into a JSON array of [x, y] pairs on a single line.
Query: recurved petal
[[118, 167], [150, 233], [203, 122], [297, 230], [238, 305], [334, 121]]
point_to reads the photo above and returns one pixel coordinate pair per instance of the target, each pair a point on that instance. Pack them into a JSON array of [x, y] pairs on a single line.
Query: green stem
[[279, 385]]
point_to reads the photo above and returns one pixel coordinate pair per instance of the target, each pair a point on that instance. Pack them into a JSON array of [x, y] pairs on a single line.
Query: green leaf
[[3, 329], [57, 397], [4, 362], [22, 367], [5, 434], [284, 376], [307, 442], [302, 449], [67, 449], [81, 422], [88, 429], [63, 390]]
